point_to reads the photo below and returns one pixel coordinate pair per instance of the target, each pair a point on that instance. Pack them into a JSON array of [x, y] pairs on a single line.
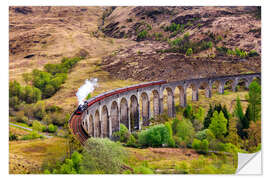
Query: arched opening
[[124, 112], [193, 90], [242, 84], [156, 105], [207, 89], [218, 87], [229, 86], [182, 96], [145, 109], [168, 101], [115, 117], [97, 125], [134, 114], [91, 126], [257, 79], [105, 122]]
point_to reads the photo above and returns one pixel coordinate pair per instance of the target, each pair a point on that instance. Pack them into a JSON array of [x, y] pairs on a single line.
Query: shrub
[[37, 126], [189, 52], [204, 146], [143, 170], [123, 134], [196, 144], [155, 136], [13, 137], [185, 131], [32, 135], [102, 156], [188, 112], [52, 128], [132, 141], [253, 53], [142, 35], [171, 142]]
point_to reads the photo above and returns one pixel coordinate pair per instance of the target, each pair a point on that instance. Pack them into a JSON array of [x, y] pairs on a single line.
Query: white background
[[4, 80]]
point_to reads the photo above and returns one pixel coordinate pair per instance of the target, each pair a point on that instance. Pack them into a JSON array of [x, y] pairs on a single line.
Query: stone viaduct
[[132, 108]]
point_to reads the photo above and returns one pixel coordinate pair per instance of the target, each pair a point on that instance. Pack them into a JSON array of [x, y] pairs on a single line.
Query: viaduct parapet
[[132, 107]]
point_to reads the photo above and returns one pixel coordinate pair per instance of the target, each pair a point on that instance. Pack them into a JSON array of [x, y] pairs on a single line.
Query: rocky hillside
[[125, 45], [224, 40]]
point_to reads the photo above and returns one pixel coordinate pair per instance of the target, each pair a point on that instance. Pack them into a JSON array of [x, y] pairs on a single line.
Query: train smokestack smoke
[[85, 89]]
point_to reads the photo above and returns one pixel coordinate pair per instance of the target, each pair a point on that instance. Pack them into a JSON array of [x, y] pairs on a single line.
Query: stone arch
[[170, 102], [105, 122], [182, 96], [156, 103], [219, 85], [145, 109], [134, 113], [91, 126], [229, 84], [195, 91], [207, 86], [115, 117], [243, 82], [124, 112], [97, 124]]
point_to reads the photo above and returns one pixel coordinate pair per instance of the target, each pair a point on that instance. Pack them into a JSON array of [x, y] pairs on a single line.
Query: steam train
[[82, 107]]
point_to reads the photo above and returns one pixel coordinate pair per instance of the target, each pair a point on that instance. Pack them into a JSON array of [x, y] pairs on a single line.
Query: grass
[[178, 161], [28, 156]]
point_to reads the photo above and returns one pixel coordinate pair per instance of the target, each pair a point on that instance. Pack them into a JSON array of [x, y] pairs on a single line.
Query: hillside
[[152, 57], [108, 39]]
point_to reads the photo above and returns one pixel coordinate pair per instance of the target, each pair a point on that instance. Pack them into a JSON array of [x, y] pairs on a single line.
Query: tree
[[254, 99], [254, 134], [218, 124], [242, 121], [198, 119], [185, 131], [15, 89], [188, 112], [102, 156], [207, 119], [232, 132]]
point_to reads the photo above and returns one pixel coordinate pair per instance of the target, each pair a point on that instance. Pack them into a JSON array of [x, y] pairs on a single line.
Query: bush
[[143, 170], [189, 52], [155, 136], [204, 146], [185, 131], [196, 144], [13, 137], [132, 142], [38, 126], [52, 128], [171, 142], [102, 156], [142, 35], [123, 134], [32, 135], [253, 53]]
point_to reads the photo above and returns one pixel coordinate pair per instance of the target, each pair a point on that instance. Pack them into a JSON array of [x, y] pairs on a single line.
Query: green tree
[[171, 142], [207, 119], [188, 112], [242, 121], [254, 99], [218, 124], [102, 156]]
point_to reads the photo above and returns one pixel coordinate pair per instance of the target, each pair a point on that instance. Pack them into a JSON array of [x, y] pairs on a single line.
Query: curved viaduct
[[131, 105]]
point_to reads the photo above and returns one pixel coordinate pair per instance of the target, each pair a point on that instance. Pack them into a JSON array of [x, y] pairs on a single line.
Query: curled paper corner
[[249, 163]]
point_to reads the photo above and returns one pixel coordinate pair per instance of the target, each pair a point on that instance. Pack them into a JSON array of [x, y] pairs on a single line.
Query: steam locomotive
[[82, 107]]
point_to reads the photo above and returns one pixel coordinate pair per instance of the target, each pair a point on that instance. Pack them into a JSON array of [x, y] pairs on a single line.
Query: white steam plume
[[85, 89]]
